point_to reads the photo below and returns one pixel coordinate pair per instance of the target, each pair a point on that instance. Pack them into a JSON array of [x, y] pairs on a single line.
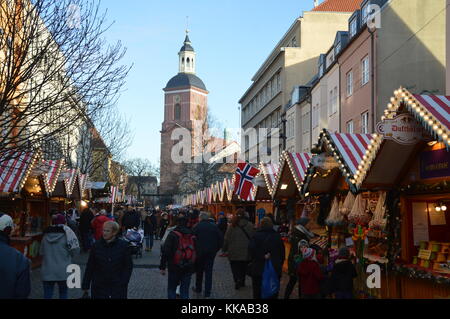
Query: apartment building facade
[[293, 62]]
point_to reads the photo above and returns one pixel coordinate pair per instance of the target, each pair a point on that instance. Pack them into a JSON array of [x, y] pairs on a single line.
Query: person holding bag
[[236, 243], [266, 245]]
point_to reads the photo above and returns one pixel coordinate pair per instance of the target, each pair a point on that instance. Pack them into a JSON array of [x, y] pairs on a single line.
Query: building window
[[365, 13], [338, 48], [177, 112], [365, 70], [315, 116], [350, 83], [353, 26], [365, 123], [305, 122], [334, 108], [350, 127], [272, 84], [278, 82], [330, 103]]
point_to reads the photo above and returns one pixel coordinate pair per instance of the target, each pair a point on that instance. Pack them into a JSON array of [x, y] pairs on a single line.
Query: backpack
[[185, 255]]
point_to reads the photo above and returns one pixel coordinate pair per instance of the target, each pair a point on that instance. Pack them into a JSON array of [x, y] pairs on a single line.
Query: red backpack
[[185, 255]]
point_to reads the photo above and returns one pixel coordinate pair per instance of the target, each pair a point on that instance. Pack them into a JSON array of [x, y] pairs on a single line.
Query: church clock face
[[177, 99]]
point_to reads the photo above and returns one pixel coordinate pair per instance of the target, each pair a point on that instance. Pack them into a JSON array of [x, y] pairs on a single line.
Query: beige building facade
[[293, 62]]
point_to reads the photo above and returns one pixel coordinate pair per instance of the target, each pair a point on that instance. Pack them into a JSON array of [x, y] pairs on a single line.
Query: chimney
[[316, 3]]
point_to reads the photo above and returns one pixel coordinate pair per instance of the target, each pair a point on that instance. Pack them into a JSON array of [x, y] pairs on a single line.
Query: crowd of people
[[190, 241]]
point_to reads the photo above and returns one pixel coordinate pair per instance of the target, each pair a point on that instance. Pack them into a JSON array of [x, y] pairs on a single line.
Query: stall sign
[[324, 161], [425, 254], [435, 164], [403, 129]]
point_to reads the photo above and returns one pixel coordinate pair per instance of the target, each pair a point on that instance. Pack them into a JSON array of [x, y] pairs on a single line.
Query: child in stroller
[[135, 238]]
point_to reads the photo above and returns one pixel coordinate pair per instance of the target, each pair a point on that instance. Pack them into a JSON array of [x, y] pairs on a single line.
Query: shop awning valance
[[50, 171], [69, 177], [15, 169], [270, 172], [433, 111], [298, 164]]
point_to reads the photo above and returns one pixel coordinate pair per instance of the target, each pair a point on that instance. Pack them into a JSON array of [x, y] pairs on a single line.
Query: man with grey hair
[[209, 242]]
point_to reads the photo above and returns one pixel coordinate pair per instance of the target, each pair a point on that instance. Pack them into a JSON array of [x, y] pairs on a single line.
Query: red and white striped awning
[[82, 181], [433, 111], [298, 165], [14, 170], [68, 176], [270, 172], [352, 148], [50, 171], [229, 187]]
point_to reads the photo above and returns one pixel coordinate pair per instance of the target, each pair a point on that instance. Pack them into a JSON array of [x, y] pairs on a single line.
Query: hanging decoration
[[379, 221], [359, 214], [335, 218], [348, 204]]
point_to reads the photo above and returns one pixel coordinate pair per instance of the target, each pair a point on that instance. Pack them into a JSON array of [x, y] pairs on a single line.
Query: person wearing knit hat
[[14, 266], [59, 244], [310, 275]]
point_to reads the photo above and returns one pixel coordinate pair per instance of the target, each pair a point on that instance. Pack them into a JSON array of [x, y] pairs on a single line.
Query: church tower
[[185, 103]]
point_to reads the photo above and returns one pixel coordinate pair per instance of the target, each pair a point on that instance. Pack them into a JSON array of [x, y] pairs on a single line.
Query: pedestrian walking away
[[109, 267], [149, 229], [58, 246], [86, 229], [266, 244], [342, 275], [179, 256], [209, 240], [14, 266], [236, 246]]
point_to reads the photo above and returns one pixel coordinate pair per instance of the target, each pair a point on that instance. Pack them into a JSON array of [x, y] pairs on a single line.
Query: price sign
[[425, 254]]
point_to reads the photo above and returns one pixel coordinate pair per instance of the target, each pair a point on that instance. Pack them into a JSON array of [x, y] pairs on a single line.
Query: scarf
[[72, 240], [305, 231]]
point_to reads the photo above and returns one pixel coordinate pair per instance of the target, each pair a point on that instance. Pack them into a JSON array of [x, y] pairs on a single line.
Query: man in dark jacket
[[177, 274], [14, 266], [342, 275], [109, 266], [149, 229], [209, 240], [265, 244], [85, 228]]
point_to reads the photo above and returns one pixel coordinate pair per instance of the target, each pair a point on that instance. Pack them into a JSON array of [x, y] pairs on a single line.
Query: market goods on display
[[379, 221], [335, 217], [358, 214], [348, 204]]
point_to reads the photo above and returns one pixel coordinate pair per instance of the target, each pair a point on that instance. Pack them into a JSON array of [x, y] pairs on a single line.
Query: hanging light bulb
[[443, 207]]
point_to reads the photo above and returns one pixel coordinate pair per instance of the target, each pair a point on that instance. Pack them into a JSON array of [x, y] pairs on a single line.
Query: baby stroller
[[135, 238]]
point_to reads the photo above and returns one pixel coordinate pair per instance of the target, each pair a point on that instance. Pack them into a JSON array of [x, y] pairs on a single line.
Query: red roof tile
[[339, 5]]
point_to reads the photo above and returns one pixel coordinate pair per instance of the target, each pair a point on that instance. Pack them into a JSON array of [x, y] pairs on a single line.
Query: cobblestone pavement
[[147, 282]]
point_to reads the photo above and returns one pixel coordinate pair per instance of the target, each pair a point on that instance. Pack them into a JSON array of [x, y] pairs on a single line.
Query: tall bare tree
[[57, 72], [138, 171]]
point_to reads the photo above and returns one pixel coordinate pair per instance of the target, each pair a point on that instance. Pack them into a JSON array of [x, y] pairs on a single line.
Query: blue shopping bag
[[270, 281]]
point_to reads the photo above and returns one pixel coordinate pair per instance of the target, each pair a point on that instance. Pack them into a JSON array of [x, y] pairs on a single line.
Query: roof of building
[[187, 45], [185, 79], [338, 6]]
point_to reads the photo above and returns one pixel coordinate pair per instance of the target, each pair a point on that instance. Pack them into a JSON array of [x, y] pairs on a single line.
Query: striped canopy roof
[[298, 165], [69, 177], [433, 111], [15, 169], [270, 172], [50, 171]]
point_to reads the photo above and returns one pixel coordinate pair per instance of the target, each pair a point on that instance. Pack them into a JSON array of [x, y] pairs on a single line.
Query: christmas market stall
[[286, 192], [263, 190], [353, 218], [413, 165]]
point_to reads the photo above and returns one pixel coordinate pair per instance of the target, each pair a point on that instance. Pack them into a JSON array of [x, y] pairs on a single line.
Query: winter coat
[[56, 254], [131, 219], [294, 239], [163, 224], [222, 224], [108, 270], [342, 276], [236, 242], [170, 247], [149, 225], [85, 221], [310, 277], [209, 238], [97, 225], [266, 240], [14, 270]]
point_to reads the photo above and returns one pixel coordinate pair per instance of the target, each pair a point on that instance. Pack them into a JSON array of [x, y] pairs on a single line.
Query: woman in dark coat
[[109, 267], [265, 244], [85, 229], [149, 229]]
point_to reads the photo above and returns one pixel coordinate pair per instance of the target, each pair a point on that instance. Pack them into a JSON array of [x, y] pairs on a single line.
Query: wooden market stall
[[262, 194], [413, 162], [353, 217]]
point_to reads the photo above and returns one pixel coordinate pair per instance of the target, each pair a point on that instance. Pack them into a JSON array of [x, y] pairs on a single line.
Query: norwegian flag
[[245, 173]]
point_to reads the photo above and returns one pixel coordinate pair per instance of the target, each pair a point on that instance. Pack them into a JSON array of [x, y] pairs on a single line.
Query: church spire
[[187, 56]]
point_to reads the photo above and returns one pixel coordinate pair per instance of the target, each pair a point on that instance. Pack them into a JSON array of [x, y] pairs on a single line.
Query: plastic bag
[[270, 281]]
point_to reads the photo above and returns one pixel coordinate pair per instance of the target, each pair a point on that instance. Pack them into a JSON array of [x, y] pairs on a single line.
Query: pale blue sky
[[231, 38]]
